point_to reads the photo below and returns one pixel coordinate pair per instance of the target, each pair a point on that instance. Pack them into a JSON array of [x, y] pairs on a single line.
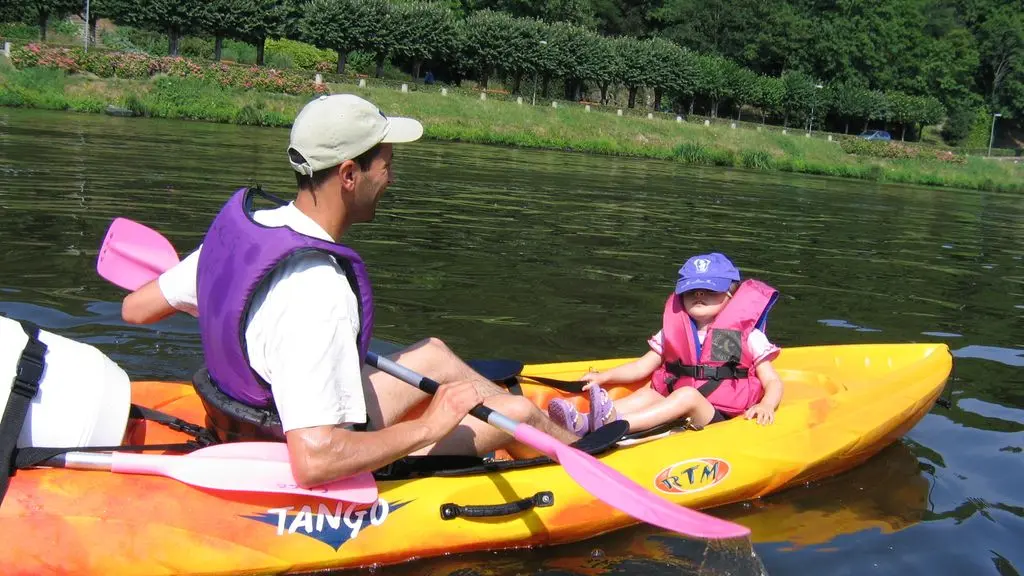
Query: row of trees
[[968, 54], [486, 43]]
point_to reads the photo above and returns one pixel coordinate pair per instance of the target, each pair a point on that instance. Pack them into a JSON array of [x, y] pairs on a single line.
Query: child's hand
[[592, 379], [765, 414]]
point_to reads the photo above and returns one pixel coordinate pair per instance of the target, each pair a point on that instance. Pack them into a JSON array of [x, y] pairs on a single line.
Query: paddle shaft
[[81, 461], [430, 387]]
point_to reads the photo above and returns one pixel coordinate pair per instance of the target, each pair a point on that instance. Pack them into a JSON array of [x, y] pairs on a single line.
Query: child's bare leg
[[683, 402], [637, 401]]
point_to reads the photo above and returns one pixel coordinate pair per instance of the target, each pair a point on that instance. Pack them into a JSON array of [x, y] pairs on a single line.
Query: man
[[305, 328]]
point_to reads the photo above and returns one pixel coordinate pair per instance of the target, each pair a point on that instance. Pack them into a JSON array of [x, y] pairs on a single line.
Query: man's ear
[[347, 173]]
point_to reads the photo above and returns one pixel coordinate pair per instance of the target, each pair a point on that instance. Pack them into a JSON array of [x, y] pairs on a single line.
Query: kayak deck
[[842, 404]]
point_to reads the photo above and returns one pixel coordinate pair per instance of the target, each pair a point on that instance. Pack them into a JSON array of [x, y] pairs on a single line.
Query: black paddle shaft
[[422, 382]]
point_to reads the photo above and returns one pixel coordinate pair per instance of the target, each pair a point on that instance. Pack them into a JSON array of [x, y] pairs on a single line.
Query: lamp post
[[86, 25], [813, 102], [542, 43], [992, 136]]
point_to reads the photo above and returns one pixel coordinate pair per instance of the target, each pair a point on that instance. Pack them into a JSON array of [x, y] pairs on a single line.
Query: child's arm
[[635, 371], [764, 410]]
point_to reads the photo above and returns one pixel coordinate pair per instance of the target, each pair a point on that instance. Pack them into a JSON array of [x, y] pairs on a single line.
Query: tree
[[579, 12], [176, 17], [427, 30], [1001, 45], [340, 25], [901, 110], [799, 93], [666, 58], [624, 17], [849, 101], [223, 19], [637, 65], [769, 95], [876, 107], [573, 53], [930, 111], [263, 19], [607, 65], [42, 10], [488, 43], [383, 32], [712, 79], [742, 85]]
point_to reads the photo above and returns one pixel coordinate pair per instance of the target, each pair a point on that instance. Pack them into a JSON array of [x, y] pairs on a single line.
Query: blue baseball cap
[[712, 272]]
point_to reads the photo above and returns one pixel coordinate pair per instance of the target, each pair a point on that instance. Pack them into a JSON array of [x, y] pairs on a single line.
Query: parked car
[[875, 135]]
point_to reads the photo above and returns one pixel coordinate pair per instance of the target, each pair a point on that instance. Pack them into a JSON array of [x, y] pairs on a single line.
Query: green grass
[[465, 118]]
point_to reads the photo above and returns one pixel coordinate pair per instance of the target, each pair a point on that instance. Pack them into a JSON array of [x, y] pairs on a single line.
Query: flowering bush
[[32, 55], [141, 66], [878, 149], [947, 156]]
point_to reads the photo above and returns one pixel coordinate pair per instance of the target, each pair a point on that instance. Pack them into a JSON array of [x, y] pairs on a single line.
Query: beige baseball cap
[[332, 129]]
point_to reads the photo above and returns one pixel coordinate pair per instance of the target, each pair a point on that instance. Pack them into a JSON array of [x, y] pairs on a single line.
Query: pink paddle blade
[[361, 488], [243, 467], [615, 489], [133, 254]]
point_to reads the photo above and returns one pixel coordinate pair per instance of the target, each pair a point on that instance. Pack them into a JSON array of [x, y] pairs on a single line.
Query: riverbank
[[458, 117]]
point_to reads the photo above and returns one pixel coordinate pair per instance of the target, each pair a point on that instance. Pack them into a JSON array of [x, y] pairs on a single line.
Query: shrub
[[301, 55], [141, 66]]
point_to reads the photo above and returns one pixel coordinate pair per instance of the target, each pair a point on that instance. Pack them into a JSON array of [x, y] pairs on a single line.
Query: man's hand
[[449, 406]]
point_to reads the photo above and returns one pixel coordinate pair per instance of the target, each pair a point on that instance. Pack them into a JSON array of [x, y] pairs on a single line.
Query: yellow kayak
[[842, 404]]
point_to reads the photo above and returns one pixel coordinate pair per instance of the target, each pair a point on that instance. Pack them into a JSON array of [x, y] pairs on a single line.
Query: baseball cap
[[338, 127], [711, 271]]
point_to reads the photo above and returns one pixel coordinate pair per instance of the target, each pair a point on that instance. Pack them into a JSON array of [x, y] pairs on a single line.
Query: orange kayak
[[842, 405]]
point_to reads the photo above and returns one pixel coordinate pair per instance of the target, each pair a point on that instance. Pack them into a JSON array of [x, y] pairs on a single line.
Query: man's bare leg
[[388, 399]]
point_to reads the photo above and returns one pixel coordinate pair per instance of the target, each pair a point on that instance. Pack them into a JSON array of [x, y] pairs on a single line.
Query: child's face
[[704, 305]]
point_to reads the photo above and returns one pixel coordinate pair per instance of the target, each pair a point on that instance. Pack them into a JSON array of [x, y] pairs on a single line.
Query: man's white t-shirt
[[301, 332], [83, 396]]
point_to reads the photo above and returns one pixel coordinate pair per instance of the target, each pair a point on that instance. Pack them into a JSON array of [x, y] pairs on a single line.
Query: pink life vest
[[720, 368]]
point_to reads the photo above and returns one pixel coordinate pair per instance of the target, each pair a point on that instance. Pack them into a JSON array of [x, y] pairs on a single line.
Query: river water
[[546, 256]]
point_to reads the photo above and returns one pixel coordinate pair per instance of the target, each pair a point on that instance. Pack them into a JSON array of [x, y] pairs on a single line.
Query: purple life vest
[[237, 256]]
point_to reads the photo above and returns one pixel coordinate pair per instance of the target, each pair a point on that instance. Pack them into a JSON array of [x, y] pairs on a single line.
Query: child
[[706, 380]]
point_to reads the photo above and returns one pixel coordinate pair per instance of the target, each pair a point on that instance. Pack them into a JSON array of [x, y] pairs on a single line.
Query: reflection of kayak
[[888, 493], [842, 405]]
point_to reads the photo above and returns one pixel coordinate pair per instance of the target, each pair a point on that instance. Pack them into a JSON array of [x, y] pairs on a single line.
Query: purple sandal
[[600, 407], [564, 413]]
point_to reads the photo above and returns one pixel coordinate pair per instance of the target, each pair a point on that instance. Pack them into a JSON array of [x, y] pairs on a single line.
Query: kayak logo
[[332, 527], [691, 475]]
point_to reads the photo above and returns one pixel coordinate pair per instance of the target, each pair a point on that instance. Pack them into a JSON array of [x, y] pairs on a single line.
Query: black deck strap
[[29, 372], [422, 466], [597, 442], [451, 511], [503, 372], [34, 456], [572, 387], [509, 374], [203, 436]]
